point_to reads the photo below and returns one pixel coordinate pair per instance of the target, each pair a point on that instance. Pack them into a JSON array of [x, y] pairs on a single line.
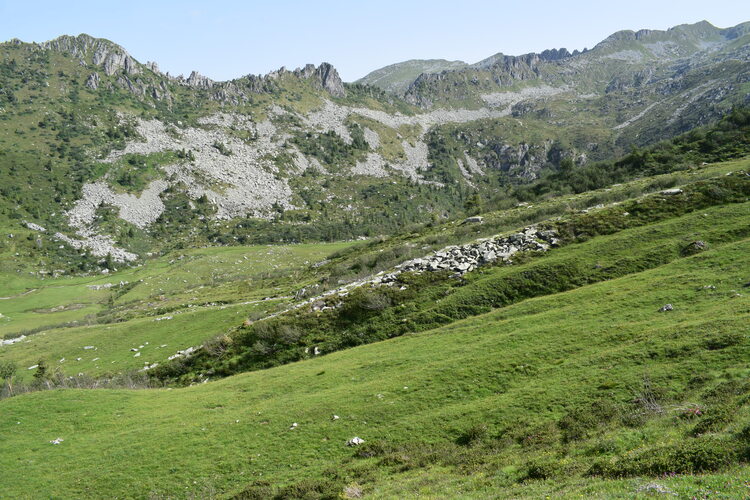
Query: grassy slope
[[171, 286], [190, 286], [524, 363]]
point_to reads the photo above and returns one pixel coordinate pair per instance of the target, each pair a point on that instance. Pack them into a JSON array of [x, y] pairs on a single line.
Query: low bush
[[578, 423], [691, 456], [715, 419], [546, 467], [473, 434]]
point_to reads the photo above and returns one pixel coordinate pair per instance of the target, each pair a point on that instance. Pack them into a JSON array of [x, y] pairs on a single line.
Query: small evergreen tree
[[42, 371]]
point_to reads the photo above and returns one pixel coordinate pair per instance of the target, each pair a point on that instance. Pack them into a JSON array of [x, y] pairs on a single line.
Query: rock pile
[[185, 353], [465, 258], [14, 340], [459, 259]]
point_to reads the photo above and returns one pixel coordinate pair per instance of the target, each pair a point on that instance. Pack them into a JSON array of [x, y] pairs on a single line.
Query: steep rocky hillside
[[110, 160]]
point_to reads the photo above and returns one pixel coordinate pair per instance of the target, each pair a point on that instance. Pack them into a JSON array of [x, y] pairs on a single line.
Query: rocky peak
[[555, 54], [330, 80], [197, 80], [325, 76], [110, 56]]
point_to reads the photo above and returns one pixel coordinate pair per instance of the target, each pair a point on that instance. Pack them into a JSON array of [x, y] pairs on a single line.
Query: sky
[[225, 39]]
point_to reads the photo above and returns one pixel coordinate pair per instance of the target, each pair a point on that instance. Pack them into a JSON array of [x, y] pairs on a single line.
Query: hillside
[[127, 161], [525, 277], [396, 78], [193, 295], [589, 391]]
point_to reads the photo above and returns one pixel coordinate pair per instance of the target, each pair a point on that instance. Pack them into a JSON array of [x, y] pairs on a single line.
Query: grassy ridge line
[[431, 300], [573, 343]]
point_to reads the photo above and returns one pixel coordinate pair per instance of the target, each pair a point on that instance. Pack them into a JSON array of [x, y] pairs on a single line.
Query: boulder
[[355, 441], [694, 247], [489, 256]]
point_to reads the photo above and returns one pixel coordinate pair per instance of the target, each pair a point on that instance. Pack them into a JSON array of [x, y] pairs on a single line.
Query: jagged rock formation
[[325, 76], [197, 80], [110, 56]]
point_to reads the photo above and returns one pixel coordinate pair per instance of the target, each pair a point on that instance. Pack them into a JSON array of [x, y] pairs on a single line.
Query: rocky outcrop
[[330, 80], [197, 80], [92, 82], [115, 60], [110, 56], [324, 76]]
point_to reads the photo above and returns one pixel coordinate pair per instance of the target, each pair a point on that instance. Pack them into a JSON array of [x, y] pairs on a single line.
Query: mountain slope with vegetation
[[562, 373], [552, 395], [126, 161], [520, 278]]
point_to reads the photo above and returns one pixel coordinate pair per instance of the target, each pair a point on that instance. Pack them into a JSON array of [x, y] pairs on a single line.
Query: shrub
[[312, 489], [218, 346], [687, 457], [540, 435], [744, 435], [546, 467], [724, 340], [259, 490], [726, 391], [473, 435], [715, 419], [578, 422], [7, 370]]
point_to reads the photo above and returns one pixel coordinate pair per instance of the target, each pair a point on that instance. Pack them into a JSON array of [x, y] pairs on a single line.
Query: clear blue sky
[[225, 39]]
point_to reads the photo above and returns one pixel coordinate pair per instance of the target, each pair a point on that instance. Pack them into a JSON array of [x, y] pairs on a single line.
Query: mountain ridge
[[302, 149], [684, 31]]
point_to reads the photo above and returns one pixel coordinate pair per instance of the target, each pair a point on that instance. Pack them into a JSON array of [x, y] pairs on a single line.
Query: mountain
[[128, 161], [632, 51], [396, 78], [523, 278]]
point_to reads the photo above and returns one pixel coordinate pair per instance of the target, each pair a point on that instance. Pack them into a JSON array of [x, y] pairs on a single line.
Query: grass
[[512, 369], [554, 377], [205, 291]]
